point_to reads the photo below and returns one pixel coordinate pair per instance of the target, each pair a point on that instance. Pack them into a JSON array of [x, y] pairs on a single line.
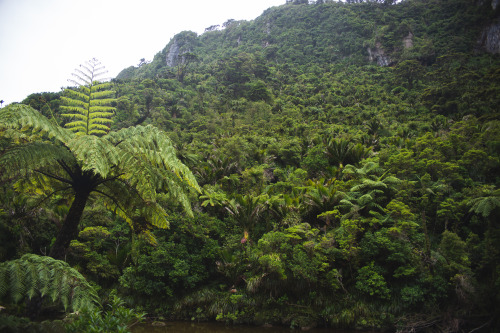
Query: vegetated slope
[[330, 32], [427, 48], [349, 157], [351, 148]]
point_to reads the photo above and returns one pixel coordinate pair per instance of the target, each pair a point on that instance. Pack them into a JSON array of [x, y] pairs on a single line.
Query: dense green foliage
[[348, 157], [117, 318], [129, 168], [33, 275]]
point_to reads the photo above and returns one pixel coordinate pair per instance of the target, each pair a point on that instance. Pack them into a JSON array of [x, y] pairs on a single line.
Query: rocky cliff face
[[181, 44], [172, 54], [408, 41], [490, 37], [377, 54]]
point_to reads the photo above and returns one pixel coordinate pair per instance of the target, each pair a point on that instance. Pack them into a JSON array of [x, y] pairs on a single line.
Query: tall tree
[[127, 169]]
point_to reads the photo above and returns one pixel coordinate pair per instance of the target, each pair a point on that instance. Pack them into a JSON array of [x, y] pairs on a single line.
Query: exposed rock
[[172, 54], [180, 45], [377, 54], [490, 38], [268, 28], [408, 41]]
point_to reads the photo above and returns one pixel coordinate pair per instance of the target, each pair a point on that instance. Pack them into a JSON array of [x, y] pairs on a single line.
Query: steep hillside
[[349, 159], [331, 32], [354, 147]]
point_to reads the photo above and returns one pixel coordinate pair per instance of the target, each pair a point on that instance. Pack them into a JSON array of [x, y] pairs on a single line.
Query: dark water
[[189, 327]]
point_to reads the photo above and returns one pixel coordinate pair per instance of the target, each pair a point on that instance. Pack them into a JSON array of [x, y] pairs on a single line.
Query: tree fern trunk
[[69, 229], [34, 306]]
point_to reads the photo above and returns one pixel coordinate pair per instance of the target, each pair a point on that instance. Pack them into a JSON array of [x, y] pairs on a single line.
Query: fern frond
[[76, 115], [82, 77], [57, 280], [23, 159], [94, 154], [103, 102], [64, 292], [121, 197], [74, 112], [175, 189], [90, 103], [88, 72], [74, 98], [484, 205], [78, 127], [32, 283], [77, 123], [22, 118], [45, 276], [97, 124], [97, 94], [34, 274], [150, 166], [155, 215], [155, 146], [100, 114], [16, 275], [3, 286], [100, 86]]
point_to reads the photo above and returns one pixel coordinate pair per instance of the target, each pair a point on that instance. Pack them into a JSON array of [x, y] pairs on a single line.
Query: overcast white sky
[[43, 41]]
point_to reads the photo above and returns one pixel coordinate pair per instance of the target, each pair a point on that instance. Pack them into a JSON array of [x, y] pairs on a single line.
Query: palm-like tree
[[215, 168], [246, 210], [342, 151], [126, 169], [357, 203], [321, 196], [486, 205], [372, 189]]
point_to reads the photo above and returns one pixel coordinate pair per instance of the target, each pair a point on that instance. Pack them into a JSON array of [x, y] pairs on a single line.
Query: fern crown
[[89, 105]]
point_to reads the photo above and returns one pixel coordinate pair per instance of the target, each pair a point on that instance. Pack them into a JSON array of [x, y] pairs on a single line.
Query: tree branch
[[66, 168], [108, 179], [64, 180]]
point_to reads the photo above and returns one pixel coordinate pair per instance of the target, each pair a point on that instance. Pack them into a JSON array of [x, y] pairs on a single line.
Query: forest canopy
[[344, 166]]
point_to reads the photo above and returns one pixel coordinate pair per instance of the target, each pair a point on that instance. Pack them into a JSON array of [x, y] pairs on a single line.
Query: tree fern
[[88, 105], [487, 204], [24, 158], [130, 169], [26, 123], [32, 275]]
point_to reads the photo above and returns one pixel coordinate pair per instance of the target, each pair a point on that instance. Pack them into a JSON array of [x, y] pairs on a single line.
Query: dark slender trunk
[[83, 185], [69, 229], [68, 232]]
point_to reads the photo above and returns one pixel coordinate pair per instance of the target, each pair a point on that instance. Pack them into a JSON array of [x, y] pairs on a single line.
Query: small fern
[[32, 275]]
